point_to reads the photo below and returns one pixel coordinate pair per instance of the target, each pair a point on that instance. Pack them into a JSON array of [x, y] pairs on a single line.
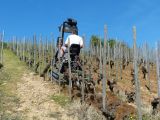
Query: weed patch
[[60, 99]]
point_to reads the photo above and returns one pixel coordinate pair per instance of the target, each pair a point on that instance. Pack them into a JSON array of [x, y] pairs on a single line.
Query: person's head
[[59, 44], [74, 31]]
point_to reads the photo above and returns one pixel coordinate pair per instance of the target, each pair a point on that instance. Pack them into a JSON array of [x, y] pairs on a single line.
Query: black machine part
[[67, 27]]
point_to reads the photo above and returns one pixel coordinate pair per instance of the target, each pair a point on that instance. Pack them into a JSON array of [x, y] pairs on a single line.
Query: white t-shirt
[[74, 39]]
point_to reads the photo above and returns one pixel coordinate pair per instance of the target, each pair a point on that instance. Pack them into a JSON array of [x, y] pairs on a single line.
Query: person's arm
[[66, 42], [66, 45], [56, 56], [81, 43], [63, 50]]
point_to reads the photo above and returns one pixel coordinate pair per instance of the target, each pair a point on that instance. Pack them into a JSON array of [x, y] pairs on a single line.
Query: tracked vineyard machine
[[60, 68]]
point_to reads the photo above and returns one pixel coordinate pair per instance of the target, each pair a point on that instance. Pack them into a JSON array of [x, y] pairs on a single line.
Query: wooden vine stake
[[51, 60], [108, 57], [137, 82], [104, 69], [17, 47], [69, 65], [158, 67], [2, 40], [100, 59], [29, 52], [83, 70], [23, 49], [34, 42]]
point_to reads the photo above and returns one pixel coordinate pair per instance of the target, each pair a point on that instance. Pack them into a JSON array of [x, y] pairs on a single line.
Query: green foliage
[[111, 42], [60, 99], [130, 117], [95, 40], [144, 117], [4, 45]]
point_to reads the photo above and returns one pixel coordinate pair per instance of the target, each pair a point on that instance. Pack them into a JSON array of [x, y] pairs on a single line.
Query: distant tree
[[95, 40], [112, 42], [95, 44], [4, 45]]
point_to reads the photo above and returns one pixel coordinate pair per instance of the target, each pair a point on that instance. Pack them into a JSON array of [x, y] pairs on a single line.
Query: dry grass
[[84, 111]]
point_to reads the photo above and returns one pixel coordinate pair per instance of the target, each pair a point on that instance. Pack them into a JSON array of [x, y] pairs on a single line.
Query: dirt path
[[35, 99], [25, 96]]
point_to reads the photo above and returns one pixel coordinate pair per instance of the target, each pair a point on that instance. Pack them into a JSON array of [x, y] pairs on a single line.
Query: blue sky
[[26, 17]]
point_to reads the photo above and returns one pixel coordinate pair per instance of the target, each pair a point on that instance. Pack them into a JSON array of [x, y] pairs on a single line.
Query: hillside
[[25, 95]]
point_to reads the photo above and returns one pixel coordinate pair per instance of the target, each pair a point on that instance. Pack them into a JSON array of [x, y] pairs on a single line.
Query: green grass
[[144, 117], [9, 76], [61, 99]]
